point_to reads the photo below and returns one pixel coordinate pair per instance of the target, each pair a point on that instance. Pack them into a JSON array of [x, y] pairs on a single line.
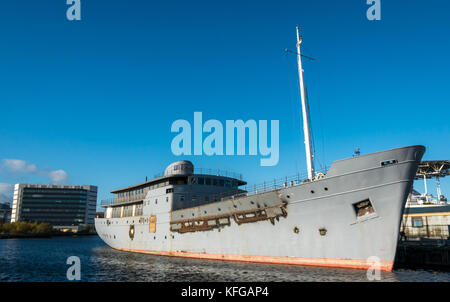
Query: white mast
[[306, 129]]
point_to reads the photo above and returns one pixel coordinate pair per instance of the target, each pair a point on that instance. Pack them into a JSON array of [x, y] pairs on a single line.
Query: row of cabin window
[[127, 211], [194, 198], [143, 190], [214, 182], [194, 180], [181, 167], [131, 193]]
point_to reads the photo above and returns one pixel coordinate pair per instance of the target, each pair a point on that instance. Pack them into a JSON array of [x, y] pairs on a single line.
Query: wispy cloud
[[18, 166]]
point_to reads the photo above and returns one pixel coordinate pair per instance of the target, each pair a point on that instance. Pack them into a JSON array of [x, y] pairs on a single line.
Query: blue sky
[[96, 98]]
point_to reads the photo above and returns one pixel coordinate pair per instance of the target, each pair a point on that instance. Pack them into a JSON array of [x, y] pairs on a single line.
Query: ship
[[344, 217]]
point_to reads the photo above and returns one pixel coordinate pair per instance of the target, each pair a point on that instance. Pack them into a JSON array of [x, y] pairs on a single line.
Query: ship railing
[[248, 190], [279, 183], [274, 184], [266, 186], [106, 202], [218, 172], [122, 199], [211, 171]]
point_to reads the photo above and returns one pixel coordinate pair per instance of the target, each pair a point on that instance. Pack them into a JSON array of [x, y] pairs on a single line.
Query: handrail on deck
[[277, 183]]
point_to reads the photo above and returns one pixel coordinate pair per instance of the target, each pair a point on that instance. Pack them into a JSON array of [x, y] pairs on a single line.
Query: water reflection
[[45, 260]]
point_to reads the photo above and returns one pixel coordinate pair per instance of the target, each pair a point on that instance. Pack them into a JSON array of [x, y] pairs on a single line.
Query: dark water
[[45, 260]]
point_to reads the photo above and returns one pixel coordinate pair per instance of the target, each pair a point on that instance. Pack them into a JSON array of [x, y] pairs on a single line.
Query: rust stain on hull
[[324, 262], [211, 222]]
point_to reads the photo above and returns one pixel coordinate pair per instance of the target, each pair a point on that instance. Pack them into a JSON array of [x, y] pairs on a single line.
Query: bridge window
[[417, 222], [389, 162]]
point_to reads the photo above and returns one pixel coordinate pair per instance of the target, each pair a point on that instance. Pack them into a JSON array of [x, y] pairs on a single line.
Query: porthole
[[312, 191], [296, 230], [288, 196], [326, 189], [131, 231], [252, 202], [219, 209]]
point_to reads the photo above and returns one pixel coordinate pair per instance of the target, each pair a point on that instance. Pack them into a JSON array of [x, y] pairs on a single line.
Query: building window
[[208, 181], [201, 181], [417, 222]]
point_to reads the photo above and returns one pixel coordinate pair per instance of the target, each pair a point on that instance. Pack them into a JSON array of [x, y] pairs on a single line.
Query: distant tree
[[23, 227], [44, 228]]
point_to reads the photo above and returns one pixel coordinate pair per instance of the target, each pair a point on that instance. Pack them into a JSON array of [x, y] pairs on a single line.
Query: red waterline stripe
[[327, 262]]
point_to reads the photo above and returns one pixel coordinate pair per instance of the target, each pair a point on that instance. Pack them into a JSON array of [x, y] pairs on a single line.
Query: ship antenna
[[305, 112]]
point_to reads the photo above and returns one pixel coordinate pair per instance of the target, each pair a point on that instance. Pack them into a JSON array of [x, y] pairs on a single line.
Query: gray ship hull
[[347, 218]]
